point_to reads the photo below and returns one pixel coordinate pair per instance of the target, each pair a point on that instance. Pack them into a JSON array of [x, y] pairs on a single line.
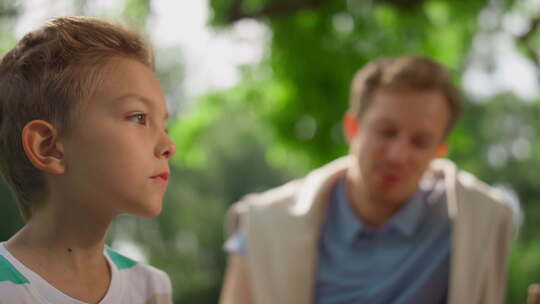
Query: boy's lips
[[164, 176]]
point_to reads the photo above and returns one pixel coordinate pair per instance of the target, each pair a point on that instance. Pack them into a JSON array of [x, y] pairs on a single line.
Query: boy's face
[[399, 134], [117, 152]]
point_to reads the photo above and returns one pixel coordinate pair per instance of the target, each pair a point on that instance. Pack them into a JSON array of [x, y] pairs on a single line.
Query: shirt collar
[[405, 221], [348, 224]]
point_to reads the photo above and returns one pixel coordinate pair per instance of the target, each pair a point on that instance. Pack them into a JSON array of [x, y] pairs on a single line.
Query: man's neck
[[375, 214]]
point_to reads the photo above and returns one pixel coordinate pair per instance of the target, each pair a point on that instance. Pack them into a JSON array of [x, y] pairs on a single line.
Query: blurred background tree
[[282, 116]]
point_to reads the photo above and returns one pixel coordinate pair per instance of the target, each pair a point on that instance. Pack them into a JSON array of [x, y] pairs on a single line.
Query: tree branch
[[276, 8], [272, 9], [525, 41], [8, 12], [404, 4]]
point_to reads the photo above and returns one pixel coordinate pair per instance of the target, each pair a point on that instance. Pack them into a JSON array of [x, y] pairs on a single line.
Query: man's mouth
[[389, 178]]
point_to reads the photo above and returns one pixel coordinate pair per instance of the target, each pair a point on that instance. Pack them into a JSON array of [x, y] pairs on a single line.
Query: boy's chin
[[149, 211]]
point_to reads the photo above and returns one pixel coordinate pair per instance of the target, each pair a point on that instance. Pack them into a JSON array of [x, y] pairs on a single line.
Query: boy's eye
[[138, 118]]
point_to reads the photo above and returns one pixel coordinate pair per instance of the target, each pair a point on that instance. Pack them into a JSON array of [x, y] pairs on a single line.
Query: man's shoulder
[[473, 191], [466, 182], [472, 183], [266, 202], [287, 193], [473, 187], [279, 195]]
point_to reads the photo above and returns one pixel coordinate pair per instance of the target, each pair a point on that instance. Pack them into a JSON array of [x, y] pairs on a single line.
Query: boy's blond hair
[[46, 76]]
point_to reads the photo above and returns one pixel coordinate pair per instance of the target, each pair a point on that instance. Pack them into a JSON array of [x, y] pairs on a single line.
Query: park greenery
[[284, 118]]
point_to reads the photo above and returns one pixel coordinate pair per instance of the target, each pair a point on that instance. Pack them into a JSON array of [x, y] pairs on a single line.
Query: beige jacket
[[283, 225]]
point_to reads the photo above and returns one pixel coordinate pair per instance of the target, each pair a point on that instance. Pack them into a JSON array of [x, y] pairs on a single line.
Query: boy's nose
[[166, 148], [168, 153]]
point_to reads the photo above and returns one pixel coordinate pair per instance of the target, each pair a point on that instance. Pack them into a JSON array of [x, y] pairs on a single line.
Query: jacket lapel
[[467, 235], [308, 215]]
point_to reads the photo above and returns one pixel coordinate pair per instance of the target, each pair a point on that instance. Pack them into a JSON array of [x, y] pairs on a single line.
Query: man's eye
[[387, 133], [422, 143], [138, 118]]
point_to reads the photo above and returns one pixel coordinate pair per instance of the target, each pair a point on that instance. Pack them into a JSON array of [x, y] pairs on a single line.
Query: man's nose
[[398, 151]]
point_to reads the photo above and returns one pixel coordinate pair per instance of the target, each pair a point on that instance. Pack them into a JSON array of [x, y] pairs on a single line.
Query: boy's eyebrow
[[142, 99]]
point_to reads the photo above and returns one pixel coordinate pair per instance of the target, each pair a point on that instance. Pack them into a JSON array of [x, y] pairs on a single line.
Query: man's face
[[117, 152], [398, 136]]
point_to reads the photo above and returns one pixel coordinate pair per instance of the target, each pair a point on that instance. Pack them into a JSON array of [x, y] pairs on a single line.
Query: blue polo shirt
[[404, 262]]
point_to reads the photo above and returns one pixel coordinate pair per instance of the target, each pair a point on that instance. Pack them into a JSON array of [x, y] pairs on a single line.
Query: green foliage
[[524, 270], [186, 133], [136, 12], [10, 220], [220, 10], [191, 225], [8, 14], [302, 84], [497, 142], [314, 53], [284, 118]]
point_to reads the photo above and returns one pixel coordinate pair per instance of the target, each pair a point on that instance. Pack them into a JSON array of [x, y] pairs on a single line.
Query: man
[[389, 223], [534, 294]]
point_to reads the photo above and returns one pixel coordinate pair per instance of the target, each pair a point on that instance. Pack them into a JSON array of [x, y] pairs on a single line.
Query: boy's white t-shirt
[[131, 283]]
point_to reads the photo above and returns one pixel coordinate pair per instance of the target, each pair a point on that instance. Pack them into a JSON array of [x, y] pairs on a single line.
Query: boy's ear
[[351, 126], [41, 145], [441, 150]]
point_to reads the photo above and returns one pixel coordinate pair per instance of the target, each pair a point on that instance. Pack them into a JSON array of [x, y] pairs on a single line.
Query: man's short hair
[[408, 72], [46, 76]]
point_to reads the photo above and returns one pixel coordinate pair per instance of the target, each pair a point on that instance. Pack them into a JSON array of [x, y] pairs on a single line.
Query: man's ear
[[441, 150], [351, 126], [41, 145]]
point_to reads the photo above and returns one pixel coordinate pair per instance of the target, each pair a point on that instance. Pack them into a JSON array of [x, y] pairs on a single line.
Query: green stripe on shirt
[[122, 262], [9, 273]]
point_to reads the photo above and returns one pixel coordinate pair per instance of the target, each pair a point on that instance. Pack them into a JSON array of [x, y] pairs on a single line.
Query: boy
[[82, 140]]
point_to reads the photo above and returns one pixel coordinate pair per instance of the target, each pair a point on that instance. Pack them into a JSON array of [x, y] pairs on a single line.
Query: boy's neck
[[65, 247], [62, 228], [63, 231]]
